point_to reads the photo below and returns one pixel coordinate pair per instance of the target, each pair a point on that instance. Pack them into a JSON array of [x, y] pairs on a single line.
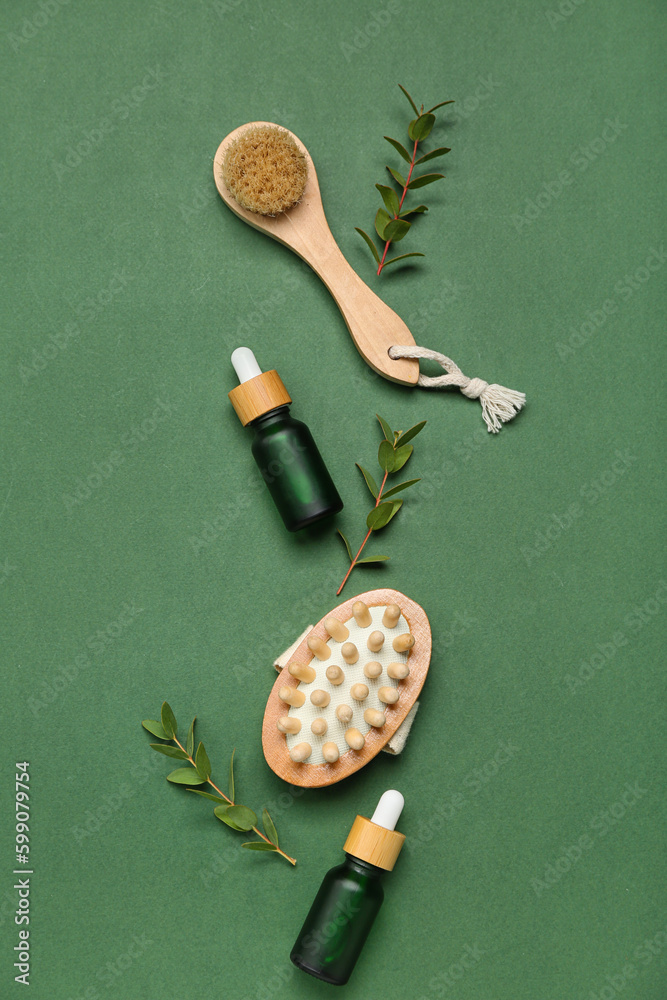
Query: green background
[[535, 553]]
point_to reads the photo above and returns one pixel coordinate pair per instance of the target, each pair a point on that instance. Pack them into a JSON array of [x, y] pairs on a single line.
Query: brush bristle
[[265, 170]]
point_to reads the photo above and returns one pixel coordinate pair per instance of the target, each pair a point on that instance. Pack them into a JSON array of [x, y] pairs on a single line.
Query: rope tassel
[[499, 404]]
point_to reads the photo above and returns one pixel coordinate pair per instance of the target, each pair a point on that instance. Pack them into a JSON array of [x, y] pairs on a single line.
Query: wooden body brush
[[267, 177], [267, 167], [347, 688]]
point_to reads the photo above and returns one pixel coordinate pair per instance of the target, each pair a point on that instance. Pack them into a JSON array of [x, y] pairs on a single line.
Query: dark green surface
[[134, 247]]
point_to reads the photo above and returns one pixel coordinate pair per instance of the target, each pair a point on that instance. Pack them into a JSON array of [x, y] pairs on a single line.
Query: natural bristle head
[[265, 170]]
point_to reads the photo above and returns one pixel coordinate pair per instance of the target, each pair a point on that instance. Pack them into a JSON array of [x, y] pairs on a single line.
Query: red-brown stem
[[400, 204], [368, 535], [225, 797]]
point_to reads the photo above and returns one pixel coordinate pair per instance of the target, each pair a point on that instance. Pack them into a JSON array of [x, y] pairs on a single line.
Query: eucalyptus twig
[[393, 453], [391, 222], [237, 817]]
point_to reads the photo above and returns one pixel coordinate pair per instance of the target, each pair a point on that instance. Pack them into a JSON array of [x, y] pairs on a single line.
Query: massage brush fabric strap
[[498, 403]]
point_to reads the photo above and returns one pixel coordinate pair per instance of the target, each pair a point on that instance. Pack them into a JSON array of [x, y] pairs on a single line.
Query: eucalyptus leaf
[[392, 455], [410, 434], [400, 487], [168, 721], [207, 795], [413, 211], [154, 727], [242, 816], [221, 813], [389, 197], [169, 751], [392, 260], [386, 456], [396, 230], [370, 243], [397, 177], [269, 827], [185, 776], [420, 182], [386, 429], [412, 103], [392, 229], [441, 105], [401, 455], [421, 127], [397, 506], [258, 845], [432, 155], [400, 149], [202, 763], [237, 817], [380, 516], [370, 482], [382, 219], [347, 544], [231, 775], [191, 738]]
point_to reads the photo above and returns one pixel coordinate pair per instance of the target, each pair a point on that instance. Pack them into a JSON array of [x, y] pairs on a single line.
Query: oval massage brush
[[265, 174], [276, 191], [347, 688]]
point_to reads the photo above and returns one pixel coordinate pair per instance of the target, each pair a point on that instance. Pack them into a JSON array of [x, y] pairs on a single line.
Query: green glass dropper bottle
[[283, 447], [350, 896]]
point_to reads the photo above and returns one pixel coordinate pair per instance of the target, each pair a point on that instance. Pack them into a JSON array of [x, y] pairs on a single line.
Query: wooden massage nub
[[348, 687]]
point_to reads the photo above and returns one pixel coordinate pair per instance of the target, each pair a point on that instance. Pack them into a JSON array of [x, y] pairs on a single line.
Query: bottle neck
[[363, 867], [270, 417]]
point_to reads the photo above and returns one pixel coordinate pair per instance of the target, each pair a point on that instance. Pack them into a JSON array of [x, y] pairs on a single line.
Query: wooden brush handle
[[373, 326]]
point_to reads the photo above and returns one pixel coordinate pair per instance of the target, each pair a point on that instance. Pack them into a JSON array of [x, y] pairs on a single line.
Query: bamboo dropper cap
[[375, 840], [259, 391]]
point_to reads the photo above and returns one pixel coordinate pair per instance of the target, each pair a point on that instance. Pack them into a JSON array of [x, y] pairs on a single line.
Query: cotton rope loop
[[498, 403]]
